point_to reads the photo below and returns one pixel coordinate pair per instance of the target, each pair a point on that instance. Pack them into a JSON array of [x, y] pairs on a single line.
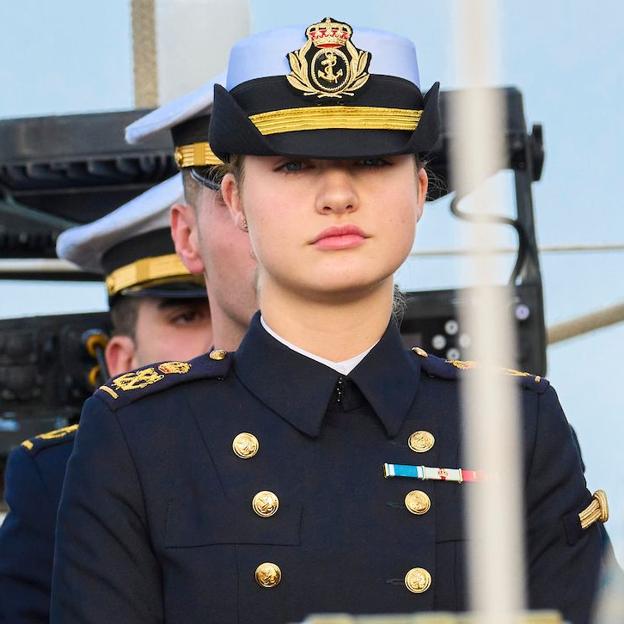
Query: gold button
[[217, 354], [265, 504], [421, 441], [268, 574], [419, 351], [417, 502], [245, 445], [418, 580]]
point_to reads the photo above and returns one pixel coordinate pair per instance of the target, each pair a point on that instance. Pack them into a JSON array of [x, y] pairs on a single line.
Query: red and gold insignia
[[328, 64]]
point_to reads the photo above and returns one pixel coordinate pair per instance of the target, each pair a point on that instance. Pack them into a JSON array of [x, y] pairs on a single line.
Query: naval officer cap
[[132, 248], [188, 120], [325, 91]]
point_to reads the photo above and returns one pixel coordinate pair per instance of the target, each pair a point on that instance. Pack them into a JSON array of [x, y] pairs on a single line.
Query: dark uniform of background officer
[[164, 317], [146, 329], [248, 487]]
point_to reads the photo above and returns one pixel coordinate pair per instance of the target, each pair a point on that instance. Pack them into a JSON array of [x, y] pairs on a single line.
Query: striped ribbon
[[426, 473]]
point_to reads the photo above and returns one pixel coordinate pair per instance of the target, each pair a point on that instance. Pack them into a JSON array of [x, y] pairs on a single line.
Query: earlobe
[[119, 355], [423, 185], [231, 198], [185, 238]]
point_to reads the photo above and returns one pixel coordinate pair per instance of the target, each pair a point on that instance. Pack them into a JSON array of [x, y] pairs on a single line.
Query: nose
[[337, 193]]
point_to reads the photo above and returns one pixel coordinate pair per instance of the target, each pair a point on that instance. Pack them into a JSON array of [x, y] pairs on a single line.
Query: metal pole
[[586, 323], [491, 428], [572, 248]]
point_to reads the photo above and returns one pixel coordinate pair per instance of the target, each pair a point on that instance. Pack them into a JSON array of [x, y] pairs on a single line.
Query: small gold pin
[[217, 354], [419, 351]]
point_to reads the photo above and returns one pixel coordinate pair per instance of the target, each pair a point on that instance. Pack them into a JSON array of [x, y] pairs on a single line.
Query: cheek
[[399, 219]]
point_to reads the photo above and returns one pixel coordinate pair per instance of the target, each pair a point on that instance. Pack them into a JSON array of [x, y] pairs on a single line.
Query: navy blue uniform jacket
[[34, 479], [156, 522]]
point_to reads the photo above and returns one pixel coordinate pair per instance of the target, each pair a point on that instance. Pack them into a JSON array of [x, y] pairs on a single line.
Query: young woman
[[249, 487]]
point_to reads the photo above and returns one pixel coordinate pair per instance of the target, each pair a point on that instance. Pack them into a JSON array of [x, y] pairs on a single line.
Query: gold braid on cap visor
[[145, 270], [195, 155], [336, 117]]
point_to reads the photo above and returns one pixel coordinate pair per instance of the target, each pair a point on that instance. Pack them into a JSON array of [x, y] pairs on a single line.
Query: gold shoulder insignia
[[596, 511], [170, 368], [57, 434], [137, 380], [463, 364]]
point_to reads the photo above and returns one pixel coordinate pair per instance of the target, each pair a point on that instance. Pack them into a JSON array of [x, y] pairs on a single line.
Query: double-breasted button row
[[265, 504]]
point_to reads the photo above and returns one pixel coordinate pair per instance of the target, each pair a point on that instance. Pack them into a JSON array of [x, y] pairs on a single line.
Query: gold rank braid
[[299, 79]]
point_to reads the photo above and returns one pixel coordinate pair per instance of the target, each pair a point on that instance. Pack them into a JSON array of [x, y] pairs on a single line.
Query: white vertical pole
[[492, 432]]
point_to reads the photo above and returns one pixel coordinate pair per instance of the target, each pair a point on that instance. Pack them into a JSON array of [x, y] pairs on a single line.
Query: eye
[[292, 166], [373, 162], [187, 317]]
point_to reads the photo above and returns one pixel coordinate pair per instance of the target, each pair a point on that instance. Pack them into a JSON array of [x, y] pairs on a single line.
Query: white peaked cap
[[175, 112], [85, 245]]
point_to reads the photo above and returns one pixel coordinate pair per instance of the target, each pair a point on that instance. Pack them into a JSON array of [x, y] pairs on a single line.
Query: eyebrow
[[170, 302]]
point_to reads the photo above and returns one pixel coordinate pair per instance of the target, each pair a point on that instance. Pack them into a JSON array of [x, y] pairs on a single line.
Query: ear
[[231, 197], [184, 233], [119, 355], [423, 185]]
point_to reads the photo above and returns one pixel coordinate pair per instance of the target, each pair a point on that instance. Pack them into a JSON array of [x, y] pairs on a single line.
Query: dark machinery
[[432, 317]]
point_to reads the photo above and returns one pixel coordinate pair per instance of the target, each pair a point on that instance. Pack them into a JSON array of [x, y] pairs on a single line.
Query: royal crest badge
[[328, 64]]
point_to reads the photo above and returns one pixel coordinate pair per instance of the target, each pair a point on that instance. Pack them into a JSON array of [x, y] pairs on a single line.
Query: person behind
[[249, 486], [158, 312], [224, 256]]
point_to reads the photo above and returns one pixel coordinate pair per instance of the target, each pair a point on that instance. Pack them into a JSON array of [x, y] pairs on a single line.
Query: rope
[[144, 54]]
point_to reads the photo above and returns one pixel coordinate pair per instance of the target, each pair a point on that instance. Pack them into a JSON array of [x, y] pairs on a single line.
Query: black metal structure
[[429, 312], [48, 368], [56, 172]]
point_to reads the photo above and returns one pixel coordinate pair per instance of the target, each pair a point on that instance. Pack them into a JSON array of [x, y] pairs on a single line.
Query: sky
[[566, 57]]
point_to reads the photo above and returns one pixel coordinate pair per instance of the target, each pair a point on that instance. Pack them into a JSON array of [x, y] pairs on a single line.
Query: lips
[[339, 237]]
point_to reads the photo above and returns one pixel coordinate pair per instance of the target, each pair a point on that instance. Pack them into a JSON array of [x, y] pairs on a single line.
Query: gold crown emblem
[[328, 64], [329, 33]]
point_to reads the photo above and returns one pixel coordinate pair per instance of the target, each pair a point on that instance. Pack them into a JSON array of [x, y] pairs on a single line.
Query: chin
[[348, 285]]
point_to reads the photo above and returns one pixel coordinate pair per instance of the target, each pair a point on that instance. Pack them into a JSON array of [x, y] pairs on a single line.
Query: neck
[[227, 333], [334, 330]]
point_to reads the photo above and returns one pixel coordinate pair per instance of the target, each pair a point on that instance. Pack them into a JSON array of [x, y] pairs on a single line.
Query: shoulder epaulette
[[129, 387], [50, 438], [452, 369]]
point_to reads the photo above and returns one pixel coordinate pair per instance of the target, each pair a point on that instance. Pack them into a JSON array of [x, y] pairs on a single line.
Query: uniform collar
[[299, 389]]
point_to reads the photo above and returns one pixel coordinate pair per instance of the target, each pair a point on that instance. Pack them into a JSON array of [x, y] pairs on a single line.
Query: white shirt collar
[[344, 367]]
